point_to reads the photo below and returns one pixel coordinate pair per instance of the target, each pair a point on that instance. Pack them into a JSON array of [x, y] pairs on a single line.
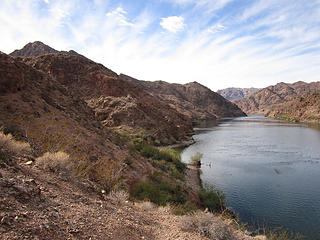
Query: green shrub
[[172, 159], [212, 199], [159, 191]]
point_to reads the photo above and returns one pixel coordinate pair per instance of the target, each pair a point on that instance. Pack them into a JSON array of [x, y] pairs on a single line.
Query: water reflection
[[269, 169]]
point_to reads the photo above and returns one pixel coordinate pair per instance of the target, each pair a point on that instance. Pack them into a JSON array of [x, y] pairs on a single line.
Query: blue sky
[[219, 43]]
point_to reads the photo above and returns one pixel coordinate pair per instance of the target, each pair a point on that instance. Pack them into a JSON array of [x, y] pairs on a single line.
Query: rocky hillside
[[304, 108], [234, 94], [73, 146], [264, 100], [115, 103], [37, 203], [192, 99]]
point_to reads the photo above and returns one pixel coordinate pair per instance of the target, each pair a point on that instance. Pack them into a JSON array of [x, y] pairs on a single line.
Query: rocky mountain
[[234, 94], [37, 49], [265, 99], [192, 99], [116, 104], [73, 146], [305, 108]]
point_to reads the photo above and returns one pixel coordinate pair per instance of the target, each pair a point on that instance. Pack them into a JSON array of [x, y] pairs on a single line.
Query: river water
[[268, 169]]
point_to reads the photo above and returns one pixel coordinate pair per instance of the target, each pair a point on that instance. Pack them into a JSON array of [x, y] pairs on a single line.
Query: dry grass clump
[[105, 171], [208, 225], [119, 195], [12, 147], [57, 161], [147, 205]]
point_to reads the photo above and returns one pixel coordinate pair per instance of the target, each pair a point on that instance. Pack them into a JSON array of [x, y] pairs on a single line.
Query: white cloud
[[258, 45], [119, 15], [216, 28], [173, 23], [46, 1]]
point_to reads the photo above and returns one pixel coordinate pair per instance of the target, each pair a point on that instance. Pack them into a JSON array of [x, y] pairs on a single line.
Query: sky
[[218, 43]]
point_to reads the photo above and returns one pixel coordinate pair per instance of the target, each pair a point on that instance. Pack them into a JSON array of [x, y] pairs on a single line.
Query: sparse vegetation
[[14, 130], [196, 159], [183, 209], [287, 117], [119, 195], [55, 162], [159, 190], [208, 225], [283, 234], [104, 171], [10, 147], [212, 199], [168, 160]]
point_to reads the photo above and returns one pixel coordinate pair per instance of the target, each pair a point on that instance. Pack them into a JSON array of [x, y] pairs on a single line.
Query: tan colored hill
[[264, 100], [192, 99], [234, 94], [304, 108]]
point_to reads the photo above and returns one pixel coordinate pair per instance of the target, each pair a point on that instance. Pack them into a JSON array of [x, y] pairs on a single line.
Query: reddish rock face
[[192, 99], [265, 99]]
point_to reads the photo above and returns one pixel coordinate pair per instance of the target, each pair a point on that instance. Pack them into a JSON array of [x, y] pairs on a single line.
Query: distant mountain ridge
[[192, 99], [234, 94], [284, 98]]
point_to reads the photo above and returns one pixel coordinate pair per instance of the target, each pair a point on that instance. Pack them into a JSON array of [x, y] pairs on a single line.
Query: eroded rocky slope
[[305, 108], [115, 103], [234, 94], [192, 99], [264, 100]]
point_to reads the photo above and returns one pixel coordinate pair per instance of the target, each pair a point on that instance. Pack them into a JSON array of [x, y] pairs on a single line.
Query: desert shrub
[[183, 209], [118, 195], [283, 234], [171, 157], [159, 191], [147, 205], [11, 147], [55, 162], [104, 171], [208, 225], [14, 130], [212, 199]]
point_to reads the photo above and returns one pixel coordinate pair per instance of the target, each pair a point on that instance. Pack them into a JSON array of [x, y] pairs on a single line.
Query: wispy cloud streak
[[218, 43]]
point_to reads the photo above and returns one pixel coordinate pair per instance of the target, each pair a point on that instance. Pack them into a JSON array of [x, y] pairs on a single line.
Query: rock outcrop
[[192, 99]]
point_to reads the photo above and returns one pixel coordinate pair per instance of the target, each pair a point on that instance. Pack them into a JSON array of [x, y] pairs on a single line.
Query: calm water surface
[[268, 169]]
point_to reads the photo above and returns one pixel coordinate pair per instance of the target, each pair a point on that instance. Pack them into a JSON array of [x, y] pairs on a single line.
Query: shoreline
[[179, 145]]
